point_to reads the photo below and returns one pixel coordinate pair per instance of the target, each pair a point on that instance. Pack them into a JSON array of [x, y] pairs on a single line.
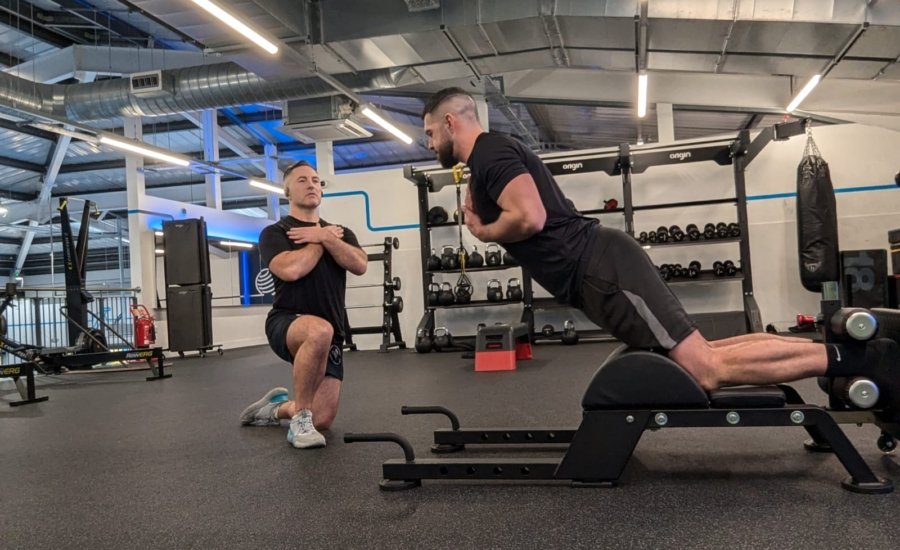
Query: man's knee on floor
[[324, 418]]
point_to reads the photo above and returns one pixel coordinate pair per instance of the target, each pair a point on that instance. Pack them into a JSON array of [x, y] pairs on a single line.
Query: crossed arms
[[296, 264]]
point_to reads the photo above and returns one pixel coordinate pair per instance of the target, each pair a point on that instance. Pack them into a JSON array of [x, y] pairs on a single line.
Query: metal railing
[[36, 319]]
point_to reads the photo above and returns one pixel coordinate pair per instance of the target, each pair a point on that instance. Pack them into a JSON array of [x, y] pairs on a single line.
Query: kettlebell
[[445, 296], [437, 215], [434, 290], [492, 255], [463, 293], [508, 259], [494, 290], [423, 341], [547, 331], [449, 259], [569, 336], [514, 290], [442, 338], [475, 259], [433, 263]]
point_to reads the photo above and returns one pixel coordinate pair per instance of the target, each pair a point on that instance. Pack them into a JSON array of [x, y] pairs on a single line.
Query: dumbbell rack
[[391, 306], [425, 184], [625, 161]]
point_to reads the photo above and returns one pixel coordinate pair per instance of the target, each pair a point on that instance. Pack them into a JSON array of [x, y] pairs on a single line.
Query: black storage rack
[[625, 161]]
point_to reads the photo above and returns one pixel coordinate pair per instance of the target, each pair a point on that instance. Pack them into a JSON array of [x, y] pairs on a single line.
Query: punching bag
[[817, 231]]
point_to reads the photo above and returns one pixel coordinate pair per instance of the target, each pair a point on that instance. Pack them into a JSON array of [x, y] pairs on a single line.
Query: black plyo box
[[864, 277]]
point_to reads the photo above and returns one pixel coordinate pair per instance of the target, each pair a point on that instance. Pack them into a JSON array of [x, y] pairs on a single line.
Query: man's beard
[[445, 155]]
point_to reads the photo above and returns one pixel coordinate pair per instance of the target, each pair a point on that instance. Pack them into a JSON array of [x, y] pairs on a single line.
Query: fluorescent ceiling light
[[377, 119], [160, 251], [158, 233], [813, 82], [145, 150], [265, 185], [237, 25], [642, 95], [236, 244], [4, 211]]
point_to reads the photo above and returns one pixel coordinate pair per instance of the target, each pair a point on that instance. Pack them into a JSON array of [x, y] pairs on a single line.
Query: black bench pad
[[747, 397]]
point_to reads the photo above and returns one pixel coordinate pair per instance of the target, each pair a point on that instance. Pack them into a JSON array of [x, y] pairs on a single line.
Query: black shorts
[[623, 292], [277, 324]]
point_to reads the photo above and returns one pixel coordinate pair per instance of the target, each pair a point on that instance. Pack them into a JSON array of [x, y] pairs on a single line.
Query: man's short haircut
[[297, 164], [446, 94]]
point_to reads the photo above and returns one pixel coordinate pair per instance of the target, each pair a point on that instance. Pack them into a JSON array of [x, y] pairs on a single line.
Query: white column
[[141, 252], [481, 107], [325, 159], [273, 174], [665, 122], [210, 129]]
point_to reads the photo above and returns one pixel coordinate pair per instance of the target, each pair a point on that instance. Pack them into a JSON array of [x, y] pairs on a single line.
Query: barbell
[[394, 284], [396, 305], [388, 241]]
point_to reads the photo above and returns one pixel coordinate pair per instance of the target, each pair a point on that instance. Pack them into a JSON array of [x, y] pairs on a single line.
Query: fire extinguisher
[[144, 330]]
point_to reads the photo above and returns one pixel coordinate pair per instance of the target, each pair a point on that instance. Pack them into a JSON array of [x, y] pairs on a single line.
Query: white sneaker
[[303, 434], [262, 412]]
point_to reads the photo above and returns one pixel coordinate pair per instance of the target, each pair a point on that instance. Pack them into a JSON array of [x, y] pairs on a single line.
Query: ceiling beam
[[13, 14]]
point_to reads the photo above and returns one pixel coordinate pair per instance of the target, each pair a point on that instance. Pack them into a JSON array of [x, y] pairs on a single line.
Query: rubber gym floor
[[112, 461]]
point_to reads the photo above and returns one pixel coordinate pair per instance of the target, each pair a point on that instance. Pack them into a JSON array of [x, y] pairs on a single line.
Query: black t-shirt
[[552, 255], [321, 291]]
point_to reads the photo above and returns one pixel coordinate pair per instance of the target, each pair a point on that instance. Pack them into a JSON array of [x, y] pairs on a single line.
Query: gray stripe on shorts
[[659, 332]]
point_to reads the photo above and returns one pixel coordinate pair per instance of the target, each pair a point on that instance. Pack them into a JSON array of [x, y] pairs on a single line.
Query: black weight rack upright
[[391, 307], [625, 161]]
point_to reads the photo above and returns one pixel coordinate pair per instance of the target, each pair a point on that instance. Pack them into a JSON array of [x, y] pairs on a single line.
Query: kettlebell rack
[[624, 161], [513, 291], [390, 307]]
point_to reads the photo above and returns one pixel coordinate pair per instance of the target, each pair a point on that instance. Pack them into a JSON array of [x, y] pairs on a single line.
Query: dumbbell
[[676, 233], [721, 230], [442, 338], [709, 231], [730, 269], [514, 290], [694, 269], [494, 291], [395, 305], [651, 237], [643, 237], [446, 296], [718, 268], [734, 230], [456, 216], [693, 233], [664, 272], [662, 234], [569, 336]]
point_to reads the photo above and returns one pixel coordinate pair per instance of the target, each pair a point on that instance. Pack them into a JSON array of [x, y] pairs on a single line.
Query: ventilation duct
[[191, 89]]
